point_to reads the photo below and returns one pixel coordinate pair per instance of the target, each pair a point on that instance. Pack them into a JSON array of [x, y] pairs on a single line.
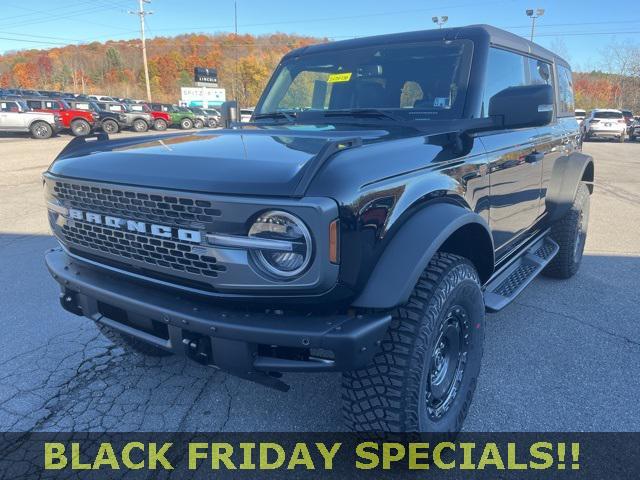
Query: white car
[[605, 123], [245, 114], [16, 116], [101, 98]]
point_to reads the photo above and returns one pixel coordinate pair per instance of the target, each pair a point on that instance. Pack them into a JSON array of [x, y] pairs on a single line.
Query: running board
[[509, 283]]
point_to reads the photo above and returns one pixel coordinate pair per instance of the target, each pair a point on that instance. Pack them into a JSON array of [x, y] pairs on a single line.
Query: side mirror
[[229, 113], [521, 107]]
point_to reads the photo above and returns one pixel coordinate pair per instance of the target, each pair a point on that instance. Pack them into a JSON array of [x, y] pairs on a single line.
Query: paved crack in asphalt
[[582, 322]]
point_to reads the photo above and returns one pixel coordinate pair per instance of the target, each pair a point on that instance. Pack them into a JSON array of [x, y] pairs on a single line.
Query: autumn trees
[[244, 64]]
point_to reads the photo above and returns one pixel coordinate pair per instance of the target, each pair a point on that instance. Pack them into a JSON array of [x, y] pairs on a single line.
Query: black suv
[[109, 122], [387, 192]]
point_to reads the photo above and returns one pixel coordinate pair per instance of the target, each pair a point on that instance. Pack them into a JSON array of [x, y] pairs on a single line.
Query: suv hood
[[250, 161]]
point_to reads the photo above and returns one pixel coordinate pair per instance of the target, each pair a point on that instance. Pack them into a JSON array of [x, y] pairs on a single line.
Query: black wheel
[[140, 125], [110, 126], [424, 376], [80, 128], [129, 342], [41, 130], [570, 232], [213, 123], [160, 124], [197, 123], [186, 124]]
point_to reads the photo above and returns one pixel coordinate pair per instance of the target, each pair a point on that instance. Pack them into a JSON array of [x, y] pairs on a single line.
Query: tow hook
[[198, 348], [69, 301]]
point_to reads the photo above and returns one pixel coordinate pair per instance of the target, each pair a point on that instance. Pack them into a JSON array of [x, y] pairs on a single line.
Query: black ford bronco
[[385, 194]]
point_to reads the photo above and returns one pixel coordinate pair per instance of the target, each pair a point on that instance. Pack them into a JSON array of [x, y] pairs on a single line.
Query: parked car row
[[46, 115], [609, 124]]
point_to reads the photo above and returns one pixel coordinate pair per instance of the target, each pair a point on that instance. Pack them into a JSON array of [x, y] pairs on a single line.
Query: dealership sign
[[205, 75], [202, 96]]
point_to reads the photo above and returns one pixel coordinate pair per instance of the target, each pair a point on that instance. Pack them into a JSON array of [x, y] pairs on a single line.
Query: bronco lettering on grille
[[165, 231]]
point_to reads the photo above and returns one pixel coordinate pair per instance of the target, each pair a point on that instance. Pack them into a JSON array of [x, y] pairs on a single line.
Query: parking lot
[[564, 357]]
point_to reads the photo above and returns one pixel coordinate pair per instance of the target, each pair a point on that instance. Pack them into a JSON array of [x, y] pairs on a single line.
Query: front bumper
[[246, 343]]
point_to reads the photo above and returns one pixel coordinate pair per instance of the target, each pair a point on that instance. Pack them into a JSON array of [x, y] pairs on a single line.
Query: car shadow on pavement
[[545, 359]]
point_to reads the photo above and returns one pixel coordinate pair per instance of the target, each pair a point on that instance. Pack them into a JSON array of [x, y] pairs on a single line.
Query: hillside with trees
[[244, 62], [115, 67]]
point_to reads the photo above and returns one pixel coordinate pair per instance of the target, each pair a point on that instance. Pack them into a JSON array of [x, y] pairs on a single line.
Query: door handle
[[534, 157]]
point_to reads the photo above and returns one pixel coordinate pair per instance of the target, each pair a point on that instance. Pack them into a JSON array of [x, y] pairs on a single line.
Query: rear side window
[[8, 107], [35, 104], [607, 115], [52, 105], [565, 92]]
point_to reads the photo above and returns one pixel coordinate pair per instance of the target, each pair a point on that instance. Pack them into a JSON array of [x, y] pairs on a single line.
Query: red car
[[161, 120], [80, 122]]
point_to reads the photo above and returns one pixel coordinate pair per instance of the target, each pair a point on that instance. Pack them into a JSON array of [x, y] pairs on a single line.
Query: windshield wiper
[[290, 116], [364, 112]]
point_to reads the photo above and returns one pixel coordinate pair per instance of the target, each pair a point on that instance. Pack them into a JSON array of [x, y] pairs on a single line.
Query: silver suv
[[15, 116]]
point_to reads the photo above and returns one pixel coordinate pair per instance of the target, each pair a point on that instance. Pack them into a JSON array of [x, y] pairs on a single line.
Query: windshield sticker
[[441, 102], [339, 77]]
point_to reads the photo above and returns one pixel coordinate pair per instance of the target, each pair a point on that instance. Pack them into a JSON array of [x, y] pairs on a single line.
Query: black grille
[[169, 254], [148, 207]]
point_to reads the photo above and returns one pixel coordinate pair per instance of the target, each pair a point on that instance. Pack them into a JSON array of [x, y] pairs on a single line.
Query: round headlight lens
[[278, 225]]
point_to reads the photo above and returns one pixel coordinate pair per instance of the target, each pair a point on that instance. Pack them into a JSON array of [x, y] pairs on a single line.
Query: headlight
[[278, 225]]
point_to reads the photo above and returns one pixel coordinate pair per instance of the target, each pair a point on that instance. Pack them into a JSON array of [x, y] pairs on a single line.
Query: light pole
[[141, 13], [533, 14], [440, 20]]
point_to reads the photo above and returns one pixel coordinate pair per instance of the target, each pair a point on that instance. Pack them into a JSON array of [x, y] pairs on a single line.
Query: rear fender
[[568, 172], [412, 247]]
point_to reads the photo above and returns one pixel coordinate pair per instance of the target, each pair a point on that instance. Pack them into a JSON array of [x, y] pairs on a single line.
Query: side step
[[503, 288]]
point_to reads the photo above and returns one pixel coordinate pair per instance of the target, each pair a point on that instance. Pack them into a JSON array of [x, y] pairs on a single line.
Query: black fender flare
[[411, 249], [567, 173]]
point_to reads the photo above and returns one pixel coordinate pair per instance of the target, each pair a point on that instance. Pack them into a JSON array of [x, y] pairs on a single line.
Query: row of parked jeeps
[[44, 116]]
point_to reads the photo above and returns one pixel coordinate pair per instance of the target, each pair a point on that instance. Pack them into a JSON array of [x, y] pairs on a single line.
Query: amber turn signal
[[334, 243]]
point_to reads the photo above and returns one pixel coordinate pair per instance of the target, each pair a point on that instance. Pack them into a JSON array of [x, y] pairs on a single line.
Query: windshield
[[424, 79]]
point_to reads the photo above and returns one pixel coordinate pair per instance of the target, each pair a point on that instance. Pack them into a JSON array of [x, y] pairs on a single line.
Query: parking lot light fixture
[[440, 20], [533, 14]]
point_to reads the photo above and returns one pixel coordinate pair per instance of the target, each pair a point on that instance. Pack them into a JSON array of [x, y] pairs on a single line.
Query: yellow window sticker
[[339, 77]]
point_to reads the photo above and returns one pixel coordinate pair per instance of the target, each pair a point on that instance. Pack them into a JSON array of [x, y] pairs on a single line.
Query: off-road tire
[[213, 123], [41, 130], [110, 126], [160, 125], [186, 124], [80, 128], [390, 394], [570, 233], [140, 126], [198, 123], [128, 342]]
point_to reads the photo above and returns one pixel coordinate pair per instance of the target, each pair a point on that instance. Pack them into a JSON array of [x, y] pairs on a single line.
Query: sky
[[579, 30]]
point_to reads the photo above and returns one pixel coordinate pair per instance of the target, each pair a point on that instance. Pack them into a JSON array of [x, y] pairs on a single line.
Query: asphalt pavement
[[564, 357]]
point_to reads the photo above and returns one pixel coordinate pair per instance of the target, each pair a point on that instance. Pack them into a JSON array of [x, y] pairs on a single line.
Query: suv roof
[[495, 36]]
